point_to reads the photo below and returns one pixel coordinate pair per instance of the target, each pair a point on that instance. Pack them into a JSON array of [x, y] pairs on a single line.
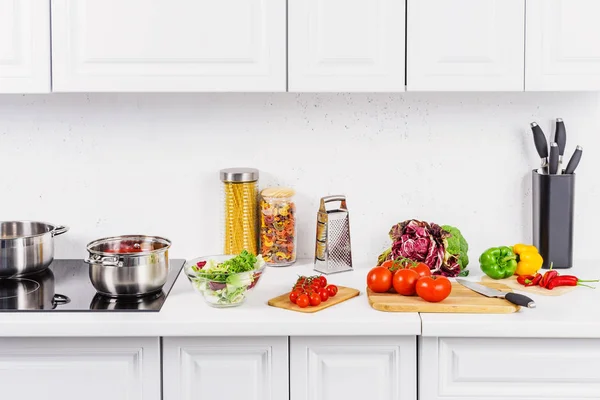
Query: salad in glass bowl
[[225, 280]]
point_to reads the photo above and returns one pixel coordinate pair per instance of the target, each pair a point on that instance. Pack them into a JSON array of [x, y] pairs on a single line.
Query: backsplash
[[112, 164]]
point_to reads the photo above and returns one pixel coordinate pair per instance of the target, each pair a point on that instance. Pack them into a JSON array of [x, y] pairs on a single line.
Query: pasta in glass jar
[[278, 226]]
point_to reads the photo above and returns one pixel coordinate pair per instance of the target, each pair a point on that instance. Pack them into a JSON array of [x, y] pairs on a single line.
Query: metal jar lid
[[239, 175]]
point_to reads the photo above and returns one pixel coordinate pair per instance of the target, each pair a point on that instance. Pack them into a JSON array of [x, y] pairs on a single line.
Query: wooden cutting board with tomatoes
[[460, 300], [312, 294], [409, 287]]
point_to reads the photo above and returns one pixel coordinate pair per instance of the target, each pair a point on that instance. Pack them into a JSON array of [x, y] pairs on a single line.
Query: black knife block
[[553, 209]]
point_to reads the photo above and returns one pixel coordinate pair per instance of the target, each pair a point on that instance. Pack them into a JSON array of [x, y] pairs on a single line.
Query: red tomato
[[434, 288], [404, 281], [294, 296], [422, 269], [324, 294], [315, 299], [387, 264], [379, 279], [332, 290], [323, 281], [302, 301]]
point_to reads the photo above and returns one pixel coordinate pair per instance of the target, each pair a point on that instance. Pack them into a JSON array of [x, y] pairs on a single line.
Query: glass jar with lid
[[240, 194], [278, 226]]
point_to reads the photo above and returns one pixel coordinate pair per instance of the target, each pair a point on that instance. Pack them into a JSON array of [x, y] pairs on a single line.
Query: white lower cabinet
[[225, 368], [80, 368], [508, 368], [334, 368]]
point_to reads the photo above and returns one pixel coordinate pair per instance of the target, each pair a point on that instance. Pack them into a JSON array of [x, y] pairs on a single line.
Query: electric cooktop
[[66, 286]]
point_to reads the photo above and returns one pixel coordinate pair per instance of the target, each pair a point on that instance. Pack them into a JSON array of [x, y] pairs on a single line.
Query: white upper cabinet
[[164, 46], [24, 46], [346, 45], [563, 45], [465, 45]]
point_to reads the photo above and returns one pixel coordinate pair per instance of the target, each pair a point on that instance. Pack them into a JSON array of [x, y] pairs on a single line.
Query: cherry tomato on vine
[[332, 290], [323, 281], [302, 301], [422, 269], [379, 279], [324, 294], [294, 296], [404, 281], [315, 299]]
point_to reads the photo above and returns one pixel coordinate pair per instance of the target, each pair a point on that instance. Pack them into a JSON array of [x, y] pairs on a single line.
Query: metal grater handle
[[329, 199]]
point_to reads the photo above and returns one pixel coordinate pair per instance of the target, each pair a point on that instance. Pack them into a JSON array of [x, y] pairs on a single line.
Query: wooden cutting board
[[461, 300], [343, 294], [513, 284]]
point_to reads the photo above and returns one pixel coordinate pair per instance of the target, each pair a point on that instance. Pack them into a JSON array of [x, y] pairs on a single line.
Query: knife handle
[[520, 300], [560, 136], [540, 140]]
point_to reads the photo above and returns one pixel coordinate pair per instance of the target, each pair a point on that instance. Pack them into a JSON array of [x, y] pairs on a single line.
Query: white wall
[[109, 164]]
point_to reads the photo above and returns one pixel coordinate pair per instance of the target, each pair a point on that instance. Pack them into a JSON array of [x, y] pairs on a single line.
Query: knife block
[[553, 209]]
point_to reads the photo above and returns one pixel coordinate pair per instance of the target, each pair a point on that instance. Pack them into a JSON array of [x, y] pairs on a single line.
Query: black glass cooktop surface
[[66, 286]]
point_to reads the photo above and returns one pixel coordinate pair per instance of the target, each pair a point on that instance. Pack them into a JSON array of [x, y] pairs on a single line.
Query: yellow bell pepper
[[529, 260]]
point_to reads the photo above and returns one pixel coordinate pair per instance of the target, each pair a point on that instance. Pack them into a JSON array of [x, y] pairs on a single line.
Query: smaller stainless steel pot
[[129, 265], [26, 247]]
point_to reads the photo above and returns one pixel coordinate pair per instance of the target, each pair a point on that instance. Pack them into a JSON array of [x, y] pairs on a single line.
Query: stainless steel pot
[[33, 292], [26, 247], [130, 265]]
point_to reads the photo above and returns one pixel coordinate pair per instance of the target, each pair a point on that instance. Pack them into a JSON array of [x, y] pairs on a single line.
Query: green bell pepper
[[498, 262]]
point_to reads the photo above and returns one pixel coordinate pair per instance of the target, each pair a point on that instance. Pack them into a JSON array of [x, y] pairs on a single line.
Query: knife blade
[[515, 298], [560, 137], [541, 145]]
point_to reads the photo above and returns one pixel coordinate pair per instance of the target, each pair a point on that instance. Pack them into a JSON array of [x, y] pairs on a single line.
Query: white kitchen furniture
[[456, 368], [80, 368], [168, 46], [465, 45], [225, 368], [24, 46], [346, 45], [563, 45], [357, 367]]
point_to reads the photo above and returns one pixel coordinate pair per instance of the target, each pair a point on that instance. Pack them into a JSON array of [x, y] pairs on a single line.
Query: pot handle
[[60, 299], [104, 261], [59, 230]]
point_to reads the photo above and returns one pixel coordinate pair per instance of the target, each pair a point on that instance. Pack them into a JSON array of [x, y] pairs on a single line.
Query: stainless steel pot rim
[[90, 246], [57, 229]]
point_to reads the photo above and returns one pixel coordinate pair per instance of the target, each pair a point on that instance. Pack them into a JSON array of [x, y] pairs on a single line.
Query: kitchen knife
[[553, 161], [560, 137], [515, 298], [540, 145], [574, 161]]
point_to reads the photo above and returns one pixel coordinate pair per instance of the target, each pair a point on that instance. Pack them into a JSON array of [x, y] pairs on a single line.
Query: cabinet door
[[334, 368], [80, 368], [465, 45], [509, 368], [24, 46], [225, 368], [563, 45], [346, 45], [172, 46]]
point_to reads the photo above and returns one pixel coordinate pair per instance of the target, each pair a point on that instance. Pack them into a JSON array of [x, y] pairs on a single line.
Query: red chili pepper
[[567, 280], [536, 280], [548, 276], [525, 279]]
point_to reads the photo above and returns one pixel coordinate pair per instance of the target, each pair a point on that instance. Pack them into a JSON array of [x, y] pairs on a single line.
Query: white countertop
[[186, 314], [573, 315]]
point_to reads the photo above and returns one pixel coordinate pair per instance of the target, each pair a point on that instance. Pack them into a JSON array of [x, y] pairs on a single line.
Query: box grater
[[332, 249]]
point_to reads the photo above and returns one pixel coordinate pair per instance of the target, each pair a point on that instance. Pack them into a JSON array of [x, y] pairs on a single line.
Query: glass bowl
[[228, 290]]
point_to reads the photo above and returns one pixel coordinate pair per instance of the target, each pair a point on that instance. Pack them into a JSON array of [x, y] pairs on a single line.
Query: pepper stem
[[593, 280], [588, 286]]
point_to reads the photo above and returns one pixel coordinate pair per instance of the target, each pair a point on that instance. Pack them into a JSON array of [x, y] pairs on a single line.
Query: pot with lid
[[27, 247], [129, 265]]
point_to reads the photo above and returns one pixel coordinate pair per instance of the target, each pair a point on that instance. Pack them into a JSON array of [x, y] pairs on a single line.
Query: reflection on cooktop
[[66, 286]]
